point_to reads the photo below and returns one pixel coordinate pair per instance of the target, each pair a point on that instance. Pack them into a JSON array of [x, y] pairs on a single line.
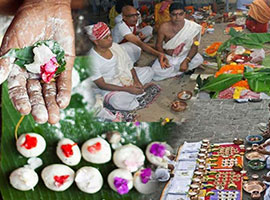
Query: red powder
[[67, 149], [30, 142], [94, 148], [60, 180]]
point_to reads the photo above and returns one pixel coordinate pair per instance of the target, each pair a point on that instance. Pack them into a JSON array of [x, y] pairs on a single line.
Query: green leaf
[[77, 124], [222, 82], [82, 65], [266, 61]]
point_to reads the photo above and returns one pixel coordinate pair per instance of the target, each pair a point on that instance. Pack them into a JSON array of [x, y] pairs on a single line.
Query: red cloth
[[98, 31], [255, 26]]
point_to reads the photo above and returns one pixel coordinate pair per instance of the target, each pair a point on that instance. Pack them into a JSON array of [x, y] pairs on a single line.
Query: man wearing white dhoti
[[113, 72], [179, 39], [126, 34]]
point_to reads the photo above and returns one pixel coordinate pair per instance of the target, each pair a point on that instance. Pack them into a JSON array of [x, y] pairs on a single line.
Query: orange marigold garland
[[234, 69]]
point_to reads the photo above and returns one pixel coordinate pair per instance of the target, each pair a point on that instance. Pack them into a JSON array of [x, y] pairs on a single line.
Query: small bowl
[[256, 164], [178, 106], [254, 139], [238, 141], [184, 95]]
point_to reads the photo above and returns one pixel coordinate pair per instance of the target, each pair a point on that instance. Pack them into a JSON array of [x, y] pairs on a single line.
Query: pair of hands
[[35, 21], [261, 149], [136, 88], [165, 63]]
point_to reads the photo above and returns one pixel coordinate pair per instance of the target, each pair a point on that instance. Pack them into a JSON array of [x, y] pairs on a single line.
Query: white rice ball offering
[[129, 157], [57, 177], [143, 181], [23, 179], [89, 179], [96, 150], [68, 152], [157, 153], [120, 180], [31, 145]]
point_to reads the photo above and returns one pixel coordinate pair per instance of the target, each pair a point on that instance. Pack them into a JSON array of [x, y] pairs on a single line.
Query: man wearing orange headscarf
[[259, 16]]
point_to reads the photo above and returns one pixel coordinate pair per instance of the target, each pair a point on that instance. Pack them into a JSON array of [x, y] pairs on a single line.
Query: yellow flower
[[167, 119], [233, 63], [196, 43]]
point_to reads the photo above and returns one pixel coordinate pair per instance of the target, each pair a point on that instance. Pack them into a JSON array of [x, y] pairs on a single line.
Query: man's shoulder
[[165, 26]]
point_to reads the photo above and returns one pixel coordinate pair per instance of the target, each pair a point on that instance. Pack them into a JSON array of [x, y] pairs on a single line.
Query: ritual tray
[[254, 155], [254, 185]]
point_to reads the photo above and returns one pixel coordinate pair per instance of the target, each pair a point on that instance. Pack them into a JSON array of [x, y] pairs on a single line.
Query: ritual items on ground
[[254, 139], [68, 152], [178, 106], [89, 179], [207, 171], [254, 155], [57, 177], [129, 157], [255, 188], [211, 50], [184, 95], [31, 145], [256, 164]]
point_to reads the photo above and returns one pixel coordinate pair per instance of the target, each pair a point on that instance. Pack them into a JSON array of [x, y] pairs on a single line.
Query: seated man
[[125, 33], [112, 70], [258, 16], [162, 13], [179, 39]]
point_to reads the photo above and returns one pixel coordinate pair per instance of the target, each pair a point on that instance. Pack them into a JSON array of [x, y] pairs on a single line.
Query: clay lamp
[[201, 161], [255, 176], [205, 141], [238, 141], [201, 156], [178, 106], [255, 147], [237, 168], [248, 149], [196, 181], [195, 188], [193, 195], [184, 95], [203, 151], [198, 174], [205, 146]]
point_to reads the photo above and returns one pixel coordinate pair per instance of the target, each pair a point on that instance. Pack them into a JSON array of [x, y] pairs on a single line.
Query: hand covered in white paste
[[34, 21]]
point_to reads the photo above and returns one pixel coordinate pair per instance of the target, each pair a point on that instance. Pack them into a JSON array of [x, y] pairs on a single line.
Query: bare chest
[[172, 31]]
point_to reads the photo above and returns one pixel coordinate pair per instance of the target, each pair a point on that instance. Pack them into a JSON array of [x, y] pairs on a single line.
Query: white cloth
[[267, 194], [112, 73], [121, 30], [183, 38]]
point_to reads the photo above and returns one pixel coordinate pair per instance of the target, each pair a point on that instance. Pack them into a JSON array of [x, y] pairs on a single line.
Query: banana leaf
[[248, 40], [266, 61], [78, 124], [259, 80], [222, 82]]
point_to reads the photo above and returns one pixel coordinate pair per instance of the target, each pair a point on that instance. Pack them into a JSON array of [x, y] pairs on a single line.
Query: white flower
[[42, 55]]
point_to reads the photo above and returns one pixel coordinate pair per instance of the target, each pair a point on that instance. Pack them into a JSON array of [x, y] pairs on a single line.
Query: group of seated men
[[113, 55]]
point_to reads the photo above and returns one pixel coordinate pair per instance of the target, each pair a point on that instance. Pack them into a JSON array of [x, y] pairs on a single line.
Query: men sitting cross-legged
[[179, 39], [113, 72], [126, 34]]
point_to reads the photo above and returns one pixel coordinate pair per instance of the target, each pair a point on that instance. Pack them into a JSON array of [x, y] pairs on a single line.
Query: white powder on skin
[[40, 113]]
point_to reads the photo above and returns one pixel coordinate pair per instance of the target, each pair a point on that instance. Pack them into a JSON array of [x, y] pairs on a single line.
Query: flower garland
[[235, 69]]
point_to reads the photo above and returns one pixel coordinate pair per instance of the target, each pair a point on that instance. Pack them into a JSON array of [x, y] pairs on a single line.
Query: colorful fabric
[[162, 13], [259, 11], [256, 27], [97, 31], [112, 15]]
